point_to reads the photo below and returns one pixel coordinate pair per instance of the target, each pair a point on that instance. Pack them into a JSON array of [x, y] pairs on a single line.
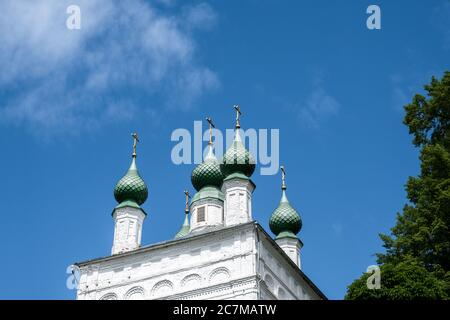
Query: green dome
[[237, 159], [131, 187], [207, 173], [184, 229], [285, 221]]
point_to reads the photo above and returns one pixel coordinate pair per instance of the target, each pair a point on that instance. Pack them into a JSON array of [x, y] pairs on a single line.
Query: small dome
[[131, 187], [237, 159], [184, 229], [285, 221], [207, 173]]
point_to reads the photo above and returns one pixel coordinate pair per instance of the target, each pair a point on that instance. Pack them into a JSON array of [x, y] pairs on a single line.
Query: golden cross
[[135, 141], [283, 177], [238, 114], [186, 209], [211, 126]]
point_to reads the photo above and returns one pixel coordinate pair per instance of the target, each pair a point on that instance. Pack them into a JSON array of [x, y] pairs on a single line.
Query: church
[[220, 251]]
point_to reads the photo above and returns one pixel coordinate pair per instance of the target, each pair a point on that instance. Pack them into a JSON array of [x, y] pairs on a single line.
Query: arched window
[[135, 293], [109, 296], [162, 288], [281, 294], [219, 275], [191, 281], [269, 282]]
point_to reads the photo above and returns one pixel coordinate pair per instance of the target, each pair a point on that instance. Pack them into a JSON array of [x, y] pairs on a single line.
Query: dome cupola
[[285, 222], [207, 203], [131, 188], [130, 192], [207, 173], [237, 159], [186, 226]]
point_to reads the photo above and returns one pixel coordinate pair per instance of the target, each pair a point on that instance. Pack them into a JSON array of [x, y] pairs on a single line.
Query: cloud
[[200, 16], [337, 228], [125, 55], [318, 107], [406, 84], [400, 94], [440, 20]]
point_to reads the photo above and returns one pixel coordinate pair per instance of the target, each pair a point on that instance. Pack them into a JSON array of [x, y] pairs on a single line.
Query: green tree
[[406, 280], [416, 263]]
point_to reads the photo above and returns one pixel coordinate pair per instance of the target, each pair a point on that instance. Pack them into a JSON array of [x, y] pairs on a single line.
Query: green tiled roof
[[208, 192], [285, 221], [184, 229], [131, 187], [207, 173], [237, 159], [236, 175]]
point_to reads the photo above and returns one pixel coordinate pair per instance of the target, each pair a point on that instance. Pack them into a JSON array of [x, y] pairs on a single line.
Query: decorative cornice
[[172, 243], [163, 272], [164, 244], [222, 287]]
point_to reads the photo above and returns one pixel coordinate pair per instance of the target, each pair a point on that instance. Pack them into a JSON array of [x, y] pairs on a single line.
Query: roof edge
[[289, 261], [162, 244]]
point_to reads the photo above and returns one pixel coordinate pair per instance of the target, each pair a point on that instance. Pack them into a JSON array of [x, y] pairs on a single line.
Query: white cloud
[[337, 228], [318, 107], [406, 84], [400, 94], [200, 16], [57, 79]]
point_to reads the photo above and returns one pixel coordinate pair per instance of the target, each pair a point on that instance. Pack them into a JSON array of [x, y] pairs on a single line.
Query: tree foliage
[[406, 280], [416, 263]]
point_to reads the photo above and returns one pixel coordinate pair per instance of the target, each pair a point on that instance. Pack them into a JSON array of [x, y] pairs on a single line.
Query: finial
[[135, 141], [186, 209], [211, 126], [238, 114], [283, 178]]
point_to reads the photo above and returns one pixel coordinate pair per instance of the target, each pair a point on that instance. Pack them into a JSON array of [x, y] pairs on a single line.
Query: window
[[201, 214]]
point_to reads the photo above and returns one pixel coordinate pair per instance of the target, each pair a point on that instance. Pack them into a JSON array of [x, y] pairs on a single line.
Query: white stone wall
[[281, 279], [238, 201], [232, 263], [205, 267], [127, 229], [292, 248], [214, 214]]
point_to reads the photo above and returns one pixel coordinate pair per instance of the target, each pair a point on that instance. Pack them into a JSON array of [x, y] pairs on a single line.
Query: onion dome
[[186, 226], [131, 189], [285, 221], [207, 178], [207, 173], [237, 159]]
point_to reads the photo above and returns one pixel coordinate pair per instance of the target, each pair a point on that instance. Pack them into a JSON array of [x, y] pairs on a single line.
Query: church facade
[[220, 252]]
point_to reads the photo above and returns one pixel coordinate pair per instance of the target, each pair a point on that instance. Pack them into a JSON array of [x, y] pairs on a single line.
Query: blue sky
[[69, 100]]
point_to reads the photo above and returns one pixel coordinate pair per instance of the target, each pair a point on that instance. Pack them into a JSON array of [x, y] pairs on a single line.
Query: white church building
[[219, 253]]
